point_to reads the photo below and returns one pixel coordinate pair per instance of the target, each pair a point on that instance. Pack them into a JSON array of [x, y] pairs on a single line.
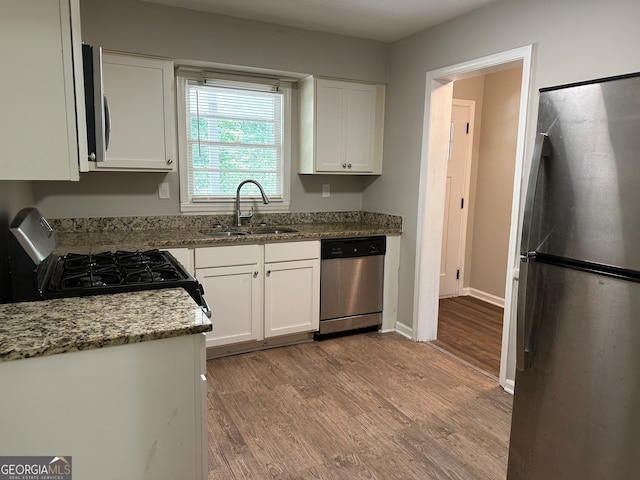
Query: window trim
[[227, 205]]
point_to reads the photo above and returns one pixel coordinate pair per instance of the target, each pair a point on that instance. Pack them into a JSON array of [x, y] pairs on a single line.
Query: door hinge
[[462, 203], [458, 274], [467, 128]]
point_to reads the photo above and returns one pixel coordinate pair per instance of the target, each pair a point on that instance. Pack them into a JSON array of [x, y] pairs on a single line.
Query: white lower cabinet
[[292, 288], [138, 408], [260, 291], [184, 256]]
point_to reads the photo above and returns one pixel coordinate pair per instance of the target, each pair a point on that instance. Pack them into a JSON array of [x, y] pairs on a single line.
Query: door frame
[[437, 118]]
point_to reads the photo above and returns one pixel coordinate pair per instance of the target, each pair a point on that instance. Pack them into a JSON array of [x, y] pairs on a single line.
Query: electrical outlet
[[163, 190], [326, 190]]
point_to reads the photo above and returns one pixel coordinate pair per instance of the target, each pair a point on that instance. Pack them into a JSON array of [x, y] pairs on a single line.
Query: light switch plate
[[163, 190]]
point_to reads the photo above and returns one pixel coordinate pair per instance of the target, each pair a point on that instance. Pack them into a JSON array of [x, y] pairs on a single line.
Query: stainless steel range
[[38, 274]]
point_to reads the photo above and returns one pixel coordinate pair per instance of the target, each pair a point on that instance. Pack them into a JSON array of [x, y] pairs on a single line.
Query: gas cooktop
[[38, 274]]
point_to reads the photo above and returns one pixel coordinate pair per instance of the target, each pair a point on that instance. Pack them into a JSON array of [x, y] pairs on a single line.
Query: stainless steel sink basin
[[253, 231], [270, 231], [223, 233]]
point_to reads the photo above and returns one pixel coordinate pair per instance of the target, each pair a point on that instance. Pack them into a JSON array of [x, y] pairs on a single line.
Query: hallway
[[471, 330]]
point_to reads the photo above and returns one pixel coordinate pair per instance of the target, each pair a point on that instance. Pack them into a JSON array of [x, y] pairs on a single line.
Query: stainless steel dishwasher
[[351, 284]]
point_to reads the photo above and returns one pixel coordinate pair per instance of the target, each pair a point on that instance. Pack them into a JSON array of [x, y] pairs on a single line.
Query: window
[[232, 130]]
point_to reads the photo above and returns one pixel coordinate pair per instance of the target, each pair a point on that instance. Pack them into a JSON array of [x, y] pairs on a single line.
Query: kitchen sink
[[224, 233], [253, 231], [270, 231]]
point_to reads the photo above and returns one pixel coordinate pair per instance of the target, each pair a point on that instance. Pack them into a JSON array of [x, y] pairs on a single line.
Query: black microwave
[[97, 106]]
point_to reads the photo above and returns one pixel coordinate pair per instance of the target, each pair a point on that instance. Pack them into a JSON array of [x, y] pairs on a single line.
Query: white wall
[[574, 40], [146, 28]]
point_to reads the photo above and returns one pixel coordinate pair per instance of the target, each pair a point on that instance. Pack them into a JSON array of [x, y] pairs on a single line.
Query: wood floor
[[471, 330], [368, 406]]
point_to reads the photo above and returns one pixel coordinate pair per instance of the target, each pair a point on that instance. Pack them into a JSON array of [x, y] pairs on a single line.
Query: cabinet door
[[292, 297], [184, 256], [360, 127], [345, 126], [235, 297], [41, 130], [139, 92], [330, 126]]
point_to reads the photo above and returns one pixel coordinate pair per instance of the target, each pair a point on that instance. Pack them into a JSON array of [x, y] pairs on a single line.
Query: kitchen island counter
[[48, 327]]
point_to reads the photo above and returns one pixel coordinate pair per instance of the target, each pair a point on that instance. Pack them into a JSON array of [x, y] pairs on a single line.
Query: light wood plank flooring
[[370, 406], [471, 330]]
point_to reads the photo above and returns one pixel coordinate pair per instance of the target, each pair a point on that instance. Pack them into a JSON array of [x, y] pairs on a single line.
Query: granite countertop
[[112, 240], [48, 327]]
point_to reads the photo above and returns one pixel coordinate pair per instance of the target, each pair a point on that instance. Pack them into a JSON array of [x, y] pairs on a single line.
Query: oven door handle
[[203, 303]]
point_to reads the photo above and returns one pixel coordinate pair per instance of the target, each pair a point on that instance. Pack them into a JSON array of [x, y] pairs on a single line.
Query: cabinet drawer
[[290, 251], [226, 256]]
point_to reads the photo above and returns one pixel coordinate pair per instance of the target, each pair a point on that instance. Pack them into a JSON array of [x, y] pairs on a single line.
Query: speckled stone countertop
[[135, 233], [48, 327], [33, 329]]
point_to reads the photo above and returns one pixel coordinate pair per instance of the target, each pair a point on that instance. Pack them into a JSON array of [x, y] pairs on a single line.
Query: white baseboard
[[509, 386], [484, 296], [405, 331]]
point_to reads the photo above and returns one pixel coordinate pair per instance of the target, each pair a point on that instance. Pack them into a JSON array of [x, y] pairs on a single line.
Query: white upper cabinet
[[341, 127], [42, 126], [140, 99]]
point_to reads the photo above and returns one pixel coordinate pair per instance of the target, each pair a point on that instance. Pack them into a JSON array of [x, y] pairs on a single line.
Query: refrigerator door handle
[[541, 149]]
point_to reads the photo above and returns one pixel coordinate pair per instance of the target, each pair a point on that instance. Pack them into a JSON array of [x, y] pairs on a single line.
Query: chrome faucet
[[239, 215]]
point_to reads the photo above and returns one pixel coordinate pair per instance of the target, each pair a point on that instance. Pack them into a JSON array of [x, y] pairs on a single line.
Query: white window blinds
[[234, 133]]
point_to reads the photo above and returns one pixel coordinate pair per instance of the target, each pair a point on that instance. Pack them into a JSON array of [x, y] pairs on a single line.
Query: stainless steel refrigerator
[[576, 411]]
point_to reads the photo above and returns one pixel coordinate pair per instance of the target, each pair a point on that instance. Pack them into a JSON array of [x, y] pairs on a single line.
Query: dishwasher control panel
[[354, 247]]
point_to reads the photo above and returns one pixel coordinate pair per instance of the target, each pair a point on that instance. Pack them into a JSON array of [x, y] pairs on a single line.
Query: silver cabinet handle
[[169, 161], [107, 123], [524, 354]]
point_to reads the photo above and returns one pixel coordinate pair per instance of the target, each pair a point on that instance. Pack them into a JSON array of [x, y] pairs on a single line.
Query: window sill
[[229, 207]]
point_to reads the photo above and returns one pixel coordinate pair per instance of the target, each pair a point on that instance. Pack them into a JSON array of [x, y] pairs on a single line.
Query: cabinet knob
[[255, 274], [348, 165], [92, 157], [344, 165], [169, 161], [268, 272]]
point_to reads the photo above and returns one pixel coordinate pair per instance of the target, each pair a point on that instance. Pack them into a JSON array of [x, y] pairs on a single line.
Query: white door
[[457, 186]]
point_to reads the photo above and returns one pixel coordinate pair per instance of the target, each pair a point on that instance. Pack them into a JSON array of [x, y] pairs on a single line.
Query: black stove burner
[[148, 274], [90, 277], [77, 261], [139, 259]]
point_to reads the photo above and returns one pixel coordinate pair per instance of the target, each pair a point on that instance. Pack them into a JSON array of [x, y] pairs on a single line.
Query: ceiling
[[383, 20]]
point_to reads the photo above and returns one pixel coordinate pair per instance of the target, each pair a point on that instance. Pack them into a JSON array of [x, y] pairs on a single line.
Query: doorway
[[470, 317], [432, 193]]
